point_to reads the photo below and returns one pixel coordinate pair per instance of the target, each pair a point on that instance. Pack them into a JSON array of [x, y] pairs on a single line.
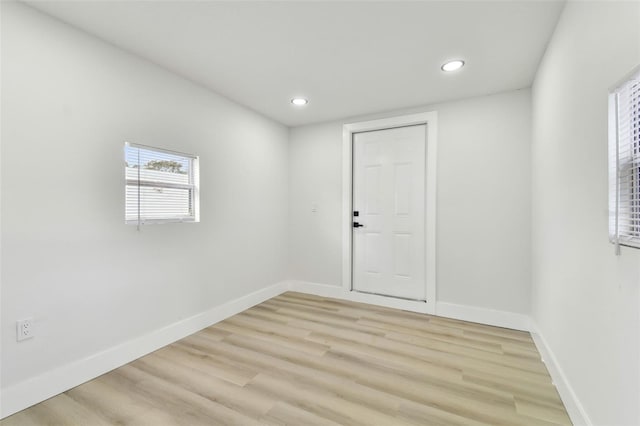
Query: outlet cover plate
[[24, 329]]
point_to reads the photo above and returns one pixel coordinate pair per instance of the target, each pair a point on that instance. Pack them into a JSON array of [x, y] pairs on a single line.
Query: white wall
[[92, 283], [69, 101], [585, 299], [483, 201]]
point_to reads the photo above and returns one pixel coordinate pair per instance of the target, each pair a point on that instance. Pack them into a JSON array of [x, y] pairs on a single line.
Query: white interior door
[[389, 204]]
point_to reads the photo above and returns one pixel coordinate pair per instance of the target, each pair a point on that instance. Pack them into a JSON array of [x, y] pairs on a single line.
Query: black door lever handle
[[357, 225]]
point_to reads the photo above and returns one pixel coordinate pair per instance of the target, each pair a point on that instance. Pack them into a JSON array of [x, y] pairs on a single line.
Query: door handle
[[357, 225]]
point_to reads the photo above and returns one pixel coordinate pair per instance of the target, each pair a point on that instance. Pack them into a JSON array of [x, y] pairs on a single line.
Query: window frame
[[624, 168], [193, 187]]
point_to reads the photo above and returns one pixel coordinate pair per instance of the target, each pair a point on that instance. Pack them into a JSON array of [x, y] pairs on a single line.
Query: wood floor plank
[[206, 364], [109, 403], [59, 410], [502, 359], [299, 359], [267, 333], [401, 352], [541, 392], [539, 411], [482, 328], [319, 325], [228, 394], [284, 413], [183, 405], [343, 410], [439, 334]]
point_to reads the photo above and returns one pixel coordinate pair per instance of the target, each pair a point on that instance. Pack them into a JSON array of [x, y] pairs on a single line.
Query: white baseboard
[[448, 310], [576, 411], [338, 292], [36, 389], [483, 315]]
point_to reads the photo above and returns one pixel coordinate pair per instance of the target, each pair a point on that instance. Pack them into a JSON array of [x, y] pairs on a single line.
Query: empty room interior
[[320, 213]]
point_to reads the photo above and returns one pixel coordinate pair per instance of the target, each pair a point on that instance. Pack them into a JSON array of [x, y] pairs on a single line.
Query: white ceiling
[[348, 58]]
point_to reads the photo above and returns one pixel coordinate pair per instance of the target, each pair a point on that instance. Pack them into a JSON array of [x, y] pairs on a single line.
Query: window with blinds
[[624, 163], [161, 186]]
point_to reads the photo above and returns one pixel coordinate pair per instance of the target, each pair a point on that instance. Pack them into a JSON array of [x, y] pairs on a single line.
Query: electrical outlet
[[24, 329]]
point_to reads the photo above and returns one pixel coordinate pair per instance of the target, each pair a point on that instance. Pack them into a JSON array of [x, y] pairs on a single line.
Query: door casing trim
[[430, 119]]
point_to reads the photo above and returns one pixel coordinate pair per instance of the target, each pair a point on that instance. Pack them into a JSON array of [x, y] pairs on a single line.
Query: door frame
[[429, 119]]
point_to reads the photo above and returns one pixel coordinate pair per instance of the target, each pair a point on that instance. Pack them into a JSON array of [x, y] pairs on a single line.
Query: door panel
[[402, 189], [402, 255], [389, 194]]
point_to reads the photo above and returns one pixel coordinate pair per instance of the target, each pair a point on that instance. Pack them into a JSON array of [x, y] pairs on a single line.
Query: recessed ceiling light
[[299, 101], [453, 65]]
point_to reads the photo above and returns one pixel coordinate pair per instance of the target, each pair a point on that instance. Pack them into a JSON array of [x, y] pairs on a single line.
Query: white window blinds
[[161, 186], [624, 163]]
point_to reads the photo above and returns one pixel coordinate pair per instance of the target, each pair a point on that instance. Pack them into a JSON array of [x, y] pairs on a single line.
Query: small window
[[161, 186], [624, 163]]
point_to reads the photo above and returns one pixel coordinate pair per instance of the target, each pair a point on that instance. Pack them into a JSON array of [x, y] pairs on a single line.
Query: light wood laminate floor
[[299, 360]]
